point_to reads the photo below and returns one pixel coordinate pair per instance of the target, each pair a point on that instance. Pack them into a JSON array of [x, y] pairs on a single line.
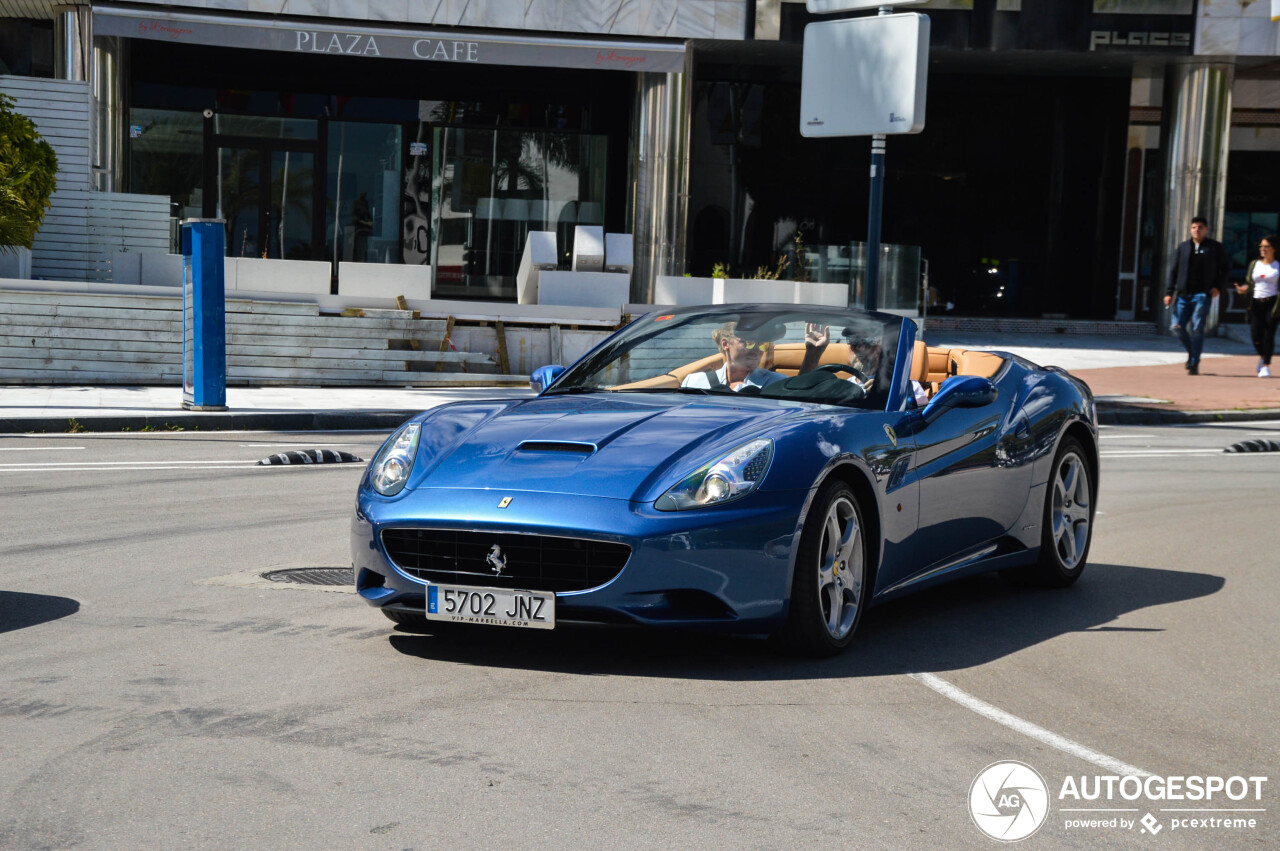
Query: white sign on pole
[[863, 76], [824, 7]]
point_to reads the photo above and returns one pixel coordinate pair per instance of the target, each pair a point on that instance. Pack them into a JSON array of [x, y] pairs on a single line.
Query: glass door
[[239, 200], [266, 197], [290, 205], [492, 187]]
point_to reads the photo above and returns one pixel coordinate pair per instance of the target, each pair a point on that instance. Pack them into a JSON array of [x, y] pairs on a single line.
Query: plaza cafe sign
[[388, 43]]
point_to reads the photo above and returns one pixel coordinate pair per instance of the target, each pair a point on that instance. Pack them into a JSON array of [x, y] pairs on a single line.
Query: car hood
[[595, 445]]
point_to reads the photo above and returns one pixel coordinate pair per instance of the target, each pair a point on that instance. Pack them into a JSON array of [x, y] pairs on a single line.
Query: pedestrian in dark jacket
[[1197, 274]]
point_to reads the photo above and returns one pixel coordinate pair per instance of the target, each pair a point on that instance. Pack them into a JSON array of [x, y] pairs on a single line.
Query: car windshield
[[823, 355]]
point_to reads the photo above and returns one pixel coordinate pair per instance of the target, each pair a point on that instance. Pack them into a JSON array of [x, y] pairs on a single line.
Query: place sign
[[456, 48]]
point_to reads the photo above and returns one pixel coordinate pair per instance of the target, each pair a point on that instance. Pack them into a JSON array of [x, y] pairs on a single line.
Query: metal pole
[[875, 206], [873, 219]]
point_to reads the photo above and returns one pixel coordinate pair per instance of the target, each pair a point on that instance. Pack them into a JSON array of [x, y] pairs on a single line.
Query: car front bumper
[[727, 567]]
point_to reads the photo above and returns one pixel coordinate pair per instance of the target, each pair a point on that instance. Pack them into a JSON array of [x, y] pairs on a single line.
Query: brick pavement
[[1224, 384]]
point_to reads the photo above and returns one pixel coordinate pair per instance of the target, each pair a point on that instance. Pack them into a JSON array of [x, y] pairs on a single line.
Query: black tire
[[1066, 522], [832, 582], [407, 621]]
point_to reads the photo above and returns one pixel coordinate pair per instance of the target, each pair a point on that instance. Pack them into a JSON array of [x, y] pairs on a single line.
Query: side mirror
[[544, 376], [960, 391]]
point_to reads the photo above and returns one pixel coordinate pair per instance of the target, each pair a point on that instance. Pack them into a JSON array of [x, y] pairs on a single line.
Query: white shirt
[[1266, 279], [756, 378]]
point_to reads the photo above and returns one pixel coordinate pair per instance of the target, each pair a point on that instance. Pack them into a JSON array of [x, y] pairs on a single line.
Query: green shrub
[[28, 176]]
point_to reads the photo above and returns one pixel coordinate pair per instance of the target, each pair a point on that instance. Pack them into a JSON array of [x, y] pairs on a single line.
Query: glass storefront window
[[362, 207], [494, 186], [166, 157], [265, 127]]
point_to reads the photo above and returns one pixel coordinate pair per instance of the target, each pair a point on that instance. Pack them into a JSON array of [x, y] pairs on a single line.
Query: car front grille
[[529, 562]]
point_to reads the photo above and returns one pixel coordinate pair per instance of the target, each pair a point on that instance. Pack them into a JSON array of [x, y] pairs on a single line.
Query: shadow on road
[[19, 611], [961, 625]]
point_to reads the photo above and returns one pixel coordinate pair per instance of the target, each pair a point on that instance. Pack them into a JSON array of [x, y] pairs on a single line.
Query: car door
[[973, 480]]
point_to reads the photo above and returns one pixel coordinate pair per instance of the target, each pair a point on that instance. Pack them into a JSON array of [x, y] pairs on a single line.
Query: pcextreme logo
[[1010, 800]]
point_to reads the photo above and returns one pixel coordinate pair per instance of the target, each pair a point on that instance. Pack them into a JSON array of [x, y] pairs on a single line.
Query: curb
[[1147, 416], [388, 420], [214, 421]]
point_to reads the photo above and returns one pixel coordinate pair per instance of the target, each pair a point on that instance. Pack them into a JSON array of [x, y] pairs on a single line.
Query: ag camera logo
[[1009, 801]]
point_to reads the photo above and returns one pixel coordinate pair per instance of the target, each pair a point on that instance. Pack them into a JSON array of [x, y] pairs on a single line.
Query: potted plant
[[28, 177]]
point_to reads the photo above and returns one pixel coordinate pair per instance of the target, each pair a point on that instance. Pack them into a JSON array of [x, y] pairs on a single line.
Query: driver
[[864, 359]]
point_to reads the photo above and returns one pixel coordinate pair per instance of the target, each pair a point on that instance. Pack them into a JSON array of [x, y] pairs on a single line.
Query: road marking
[[1125, 436], [326, 446], [1183, 453], [38, 448], [19, 464], [1026, 728], [125, 466]]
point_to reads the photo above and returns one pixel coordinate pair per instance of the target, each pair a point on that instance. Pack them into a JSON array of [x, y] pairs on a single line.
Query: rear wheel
[[1067, 522], [831, 584]]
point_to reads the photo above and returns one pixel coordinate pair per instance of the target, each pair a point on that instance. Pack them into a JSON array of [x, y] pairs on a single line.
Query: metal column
[[108, 166], [72, 35], [658, 213], [1194, 136]]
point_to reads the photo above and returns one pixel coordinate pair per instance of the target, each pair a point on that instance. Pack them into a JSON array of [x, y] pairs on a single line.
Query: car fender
[[854, 470]]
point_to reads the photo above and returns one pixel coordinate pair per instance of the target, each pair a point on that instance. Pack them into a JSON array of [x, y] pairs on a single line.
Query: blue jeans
[[1188, 323]]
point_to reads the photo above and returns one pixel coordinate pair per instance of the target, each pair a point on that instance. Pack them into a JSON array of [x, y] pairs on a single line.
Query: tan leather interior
[[930, 365]]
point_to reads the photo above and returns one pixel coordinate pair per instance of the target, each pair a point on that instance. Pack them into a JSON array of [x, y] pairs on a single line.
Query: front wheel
[[1067, 522], [831, 584]]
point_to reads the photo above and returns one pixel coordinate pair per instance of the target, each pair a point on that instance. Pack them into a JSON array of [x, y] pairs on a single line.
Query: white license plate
[[491, 606]]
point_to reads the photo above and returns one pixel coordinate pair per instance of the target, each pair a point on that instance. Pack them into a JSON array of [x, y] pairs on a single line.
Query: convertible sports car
[[746, 468]]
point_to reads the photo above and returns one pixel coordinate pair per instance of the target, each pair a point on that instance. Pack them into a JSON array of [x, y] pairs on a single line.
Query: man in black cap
[[1199, 270]]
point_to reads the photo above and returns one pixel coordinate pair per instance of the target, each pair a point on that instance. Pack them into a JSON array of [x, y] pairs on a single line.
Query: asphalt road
[[156, 692]]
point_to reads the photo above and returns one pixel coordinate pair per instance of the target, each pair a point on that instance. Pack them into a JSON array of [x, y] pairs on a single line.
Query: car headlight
[[390, 470], [730, 477]]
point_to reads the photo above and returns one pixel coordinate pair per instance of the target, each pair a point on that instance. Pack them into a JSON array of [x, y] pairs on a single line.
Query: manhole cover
[[313, 575]]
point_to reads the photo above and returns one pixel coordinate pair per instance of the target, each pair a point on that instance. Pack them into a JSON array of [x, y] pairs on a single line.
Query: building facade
[[1066, 144]]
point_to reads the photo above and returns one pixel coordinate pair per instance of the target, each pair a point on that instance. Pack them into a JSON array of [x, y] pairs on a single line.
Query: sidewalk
[[1142, 379], [1135, 380]]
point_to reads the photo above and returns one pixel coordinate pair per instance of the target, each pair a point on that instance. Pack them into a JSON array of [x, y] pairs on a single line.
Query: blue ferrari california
[[745, 468]]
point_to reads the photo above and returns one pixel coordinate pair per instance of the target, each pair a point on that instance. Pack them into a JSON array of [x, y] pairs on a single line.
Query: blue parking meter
[[204, 315]]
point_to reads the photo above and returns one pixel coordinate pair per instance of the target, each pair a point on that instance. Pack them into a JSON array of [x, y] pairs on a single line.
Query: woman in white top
[[1262, 285]]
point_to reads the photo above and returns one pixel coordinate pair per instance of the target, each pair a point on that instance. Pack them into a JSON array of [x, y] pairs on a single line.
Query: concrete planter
[[827, 295], [384, 280], [277, 276], [15, 263], [584, 289], [752, 291], [126, 267], [670, 289], [160, 270]]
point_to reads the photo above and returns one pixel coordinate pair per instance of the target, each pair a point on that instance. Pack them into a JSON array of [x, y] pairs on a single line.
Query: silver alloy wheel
[[1070, 514], [841, 569]]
